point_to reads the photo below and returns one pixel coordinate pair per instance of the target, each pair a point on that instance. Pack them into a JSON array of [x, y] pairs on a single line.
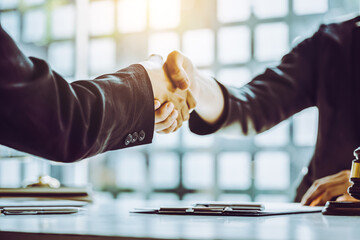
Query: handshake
[[178, 89]]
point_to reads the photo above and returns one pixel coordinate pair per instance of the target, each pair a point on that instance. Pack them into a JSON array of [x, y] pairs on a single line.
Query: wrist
[[210, 101], [154, 75]]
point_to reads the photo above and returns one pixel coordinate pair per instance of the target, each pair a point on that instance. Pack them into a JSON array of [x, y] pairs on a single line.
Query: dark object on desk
[[348, 208], [342, 208], [354, 190]]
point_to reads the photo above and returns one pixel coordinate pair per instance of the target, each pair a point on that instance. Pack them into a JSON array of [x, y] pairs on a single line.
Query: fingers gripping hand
[[181, 72], [324, 189], [175, 69], [165, 117], [165, 92]]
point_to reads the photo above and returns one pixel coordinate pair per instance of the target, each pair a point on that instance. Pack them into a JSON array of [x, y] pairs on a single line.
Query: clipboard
[[238, 209]]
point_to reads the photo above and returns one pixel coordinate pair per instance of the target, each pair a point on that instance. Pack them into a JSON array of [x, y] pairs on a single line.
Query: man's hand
[[205, 90], [324, 189], [178, 102], [165, 117]]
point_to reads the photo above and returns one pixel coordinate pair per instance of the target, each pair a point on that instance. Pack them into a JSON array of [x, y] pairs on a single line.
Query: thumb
[[174, 67], [157, 104]]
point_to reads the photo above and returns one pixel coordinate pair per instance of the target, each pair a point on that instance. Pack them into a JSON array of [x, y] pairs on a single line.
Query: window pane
[[192, 140], [32, 171], [302, 7], [270, 9], [131, 171], [271, 41], [33, 2], [234, 44], [133, 48], [132, 15], [276, 136], [199, 46], [164, 13], [102, 56], [305, 127], [236, 77], [7, 4], [161, 199], [34, 25], [198, 170], [167, 140], [74, 174], [10, 21], [233, 10], [164, 43], [61, 57], [131, 198], [10, 180], [272, 170], [194, 198], [102, 17], [164, 170], [63, 22], [234, 170]]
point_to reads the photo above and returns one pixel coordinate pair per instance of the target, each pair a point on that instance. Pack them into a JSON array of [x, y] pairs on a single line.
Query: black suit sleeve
[[271, 97], [42, 114]]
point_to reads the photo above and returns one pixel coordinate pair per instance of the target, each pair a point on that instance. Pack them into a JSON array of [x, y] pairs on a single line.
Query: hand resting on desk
[[327, 188]]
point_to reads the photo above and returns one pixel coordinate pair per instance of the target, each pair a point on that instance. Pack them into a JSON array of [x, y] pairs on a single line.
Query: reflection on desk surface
[[111, 220]]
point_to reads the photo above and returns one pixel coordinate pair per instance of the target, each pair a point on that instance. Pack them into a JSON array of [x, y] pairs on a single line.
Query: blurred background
[[232, 40]]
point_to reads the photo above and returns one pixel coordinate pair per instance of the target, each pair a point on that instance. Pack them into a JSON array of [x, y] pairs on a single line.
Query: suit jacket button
[[135, 136], [128, 139], [141, 135]]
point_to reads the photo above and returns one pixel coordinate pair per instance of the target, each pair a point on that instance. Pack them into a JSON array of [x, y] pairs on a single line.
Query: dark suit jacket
[[322, 71], [42, 114]]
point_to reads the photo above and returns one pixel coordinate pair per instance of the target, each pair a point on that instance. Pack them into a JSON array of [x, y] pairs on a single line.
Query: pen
[[38, 210]]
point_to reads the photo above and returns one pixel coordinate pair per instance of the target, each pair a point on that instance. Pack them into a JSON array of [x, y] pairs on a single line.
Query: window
[[102, 17], [234, 44], [271, 41], [132, 15], [199, 46], [34, 26]]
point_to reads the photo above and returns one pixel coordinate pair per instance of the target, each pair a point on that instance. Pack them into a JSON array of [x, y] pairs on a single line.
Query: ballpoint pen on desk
[[38, 210]]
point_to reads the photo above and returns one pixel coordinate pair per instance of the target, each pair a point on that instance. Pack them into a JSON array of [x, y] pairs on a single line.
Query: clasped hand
[[178, 88], [173, 100]]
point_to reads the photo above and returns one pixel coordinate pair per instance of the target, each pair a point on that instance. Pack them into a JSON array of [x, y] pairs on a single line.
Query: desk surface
[[112, 220]]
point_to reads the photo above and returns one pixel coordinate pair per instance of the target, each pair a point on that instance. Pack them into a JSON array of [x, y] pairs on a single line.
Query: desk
[[112, 220]]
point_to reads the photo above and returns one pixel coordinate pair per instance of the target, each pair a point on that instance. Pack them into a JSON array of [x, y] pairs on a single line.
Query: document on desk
[[232, 209]]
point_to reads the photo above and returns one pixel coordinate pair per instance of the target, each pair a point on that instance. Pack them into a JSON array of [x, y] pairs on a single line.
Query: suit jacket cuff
[[198, 126], [139, 128]]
